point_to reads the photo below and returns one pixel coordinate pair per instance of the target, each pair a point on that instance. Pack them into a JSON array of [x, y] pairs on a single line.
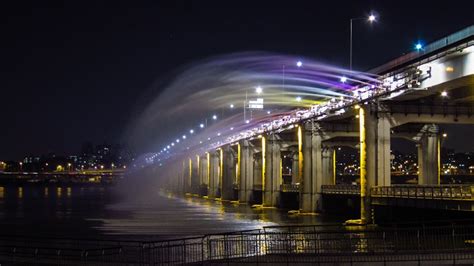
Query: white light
[[298, 99], [444, 93], [258, 90], [201, 125], [191, 131], [247, 121], [372, 18], [200, 142], [268, 112], [208, 138], [299, 64], [231, 128], [218, 134], [214, 117], [343, 79], [177, 140], [418, 46], [231, 106], [184, 136], [172, 143]]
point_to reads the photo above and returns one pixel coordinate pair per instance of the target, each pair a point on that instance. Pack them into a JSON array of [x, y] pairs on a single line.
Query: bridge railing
[[290, 187], [286, 244], [341, 189], [438, 192], [306, 245]]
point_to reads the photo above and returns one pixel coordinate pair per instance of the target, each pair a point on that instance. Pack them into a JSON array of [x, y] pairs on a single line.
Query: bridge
[[413, 95]]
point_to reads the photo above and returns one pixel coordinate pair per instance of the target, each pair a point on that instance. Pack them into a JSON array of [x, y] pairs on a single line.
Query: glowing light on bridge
[[418, 46], [299, 64], [258, 90], [214, 117], [343, 79]]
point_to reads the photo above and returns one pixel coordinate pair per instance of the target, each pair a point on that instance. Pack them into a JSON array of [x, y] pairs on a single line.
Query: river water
[[92, 211]]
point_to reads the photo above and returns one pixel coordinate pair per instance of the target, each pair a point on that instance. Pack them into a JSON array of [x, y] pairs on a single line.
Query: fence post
[[350, 246], [454, 244], [202, 249], [418, 244]]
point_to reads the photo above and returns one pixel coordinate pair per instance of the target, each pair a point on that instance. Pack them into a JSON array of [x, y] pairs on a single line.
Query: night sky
[[77, 71]]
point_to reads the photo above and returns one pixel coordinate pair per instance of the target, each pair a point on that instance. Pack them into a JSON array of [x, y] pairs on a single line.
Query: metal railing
[[341, 189], [290, 188], [313, 245], [277, 244], [435, 192]]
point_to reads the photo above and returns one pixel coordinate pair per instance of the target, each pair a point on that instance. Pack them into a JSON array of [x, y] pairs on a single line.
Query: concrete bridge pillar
[[312, 174], [271, 173], [195, 174], [295, 168], [203, 174], [257, 174], [245, 171], [228, 173], [429, 157], [328, 165], [213, 174], [374, 125]]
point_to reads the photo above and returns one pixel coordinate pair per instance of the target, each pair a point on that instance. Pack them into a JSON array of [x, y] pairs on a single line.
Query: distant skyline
[[79, 71]]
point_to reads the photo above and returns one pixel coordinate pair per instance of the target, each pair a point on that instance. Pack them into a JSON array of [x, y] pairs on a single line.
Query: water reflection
[[95, 211]]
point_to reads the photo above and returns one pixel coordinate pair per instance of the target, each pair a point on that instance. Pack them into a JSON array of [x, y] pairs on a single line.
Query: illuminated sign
[[256, 104]]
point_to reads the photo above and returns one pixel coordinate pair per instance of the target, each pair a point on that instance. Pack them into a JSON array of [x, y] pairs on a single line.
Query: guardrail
[[290, 187], [434, 192], [340, 189], [286, 244], [303, 245]]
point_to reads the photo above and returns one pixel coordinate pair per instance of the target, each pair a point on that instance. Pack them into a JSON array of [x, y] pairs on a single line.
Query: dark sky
[[75, 71]]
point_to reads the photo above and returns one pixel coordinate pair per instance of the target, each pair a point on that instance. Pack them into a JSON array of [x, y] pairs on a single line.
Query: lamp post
[[371, 18]]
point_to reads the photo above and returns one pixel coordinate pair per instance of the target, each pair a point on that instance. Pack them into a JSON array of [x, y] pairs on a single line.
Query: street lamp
[[371, 18]]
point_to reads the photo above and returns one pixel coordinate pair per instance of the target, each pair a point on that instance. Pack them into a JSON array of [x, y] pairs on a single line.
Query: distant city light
[[247, 121], [269, 112], [214, 117], [445, 135], [184, 136], [372, 18], [177, 140], [231, 128], [172, 143], [191, 131], [231, 106], [218, 134], [258, 90], [298, 99], [299, 64], [444, 93], [201, 125], [343, 79]]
